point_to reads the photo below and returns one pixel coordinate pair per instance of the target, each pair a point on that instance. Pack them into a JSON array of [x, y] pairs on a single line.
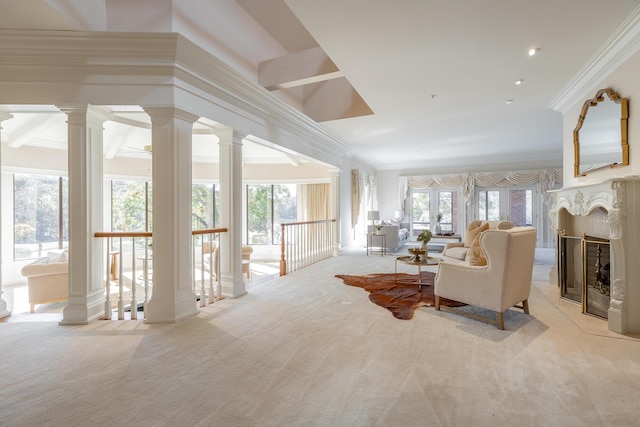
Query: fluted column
[[86, 292], [172, 298], [231, 278], [3, 304]]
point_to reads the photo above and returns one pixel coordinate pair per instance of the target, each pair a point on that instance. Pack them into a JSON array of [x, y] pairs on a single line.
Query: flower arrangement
[[425, 236], [439, 218], [378, 227]]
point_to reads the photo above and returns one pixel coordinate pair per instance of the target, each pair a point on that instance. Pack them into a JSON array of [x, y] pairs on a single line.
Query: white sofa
[[48, 279], [502, 283], [459, 251], [396, 236]]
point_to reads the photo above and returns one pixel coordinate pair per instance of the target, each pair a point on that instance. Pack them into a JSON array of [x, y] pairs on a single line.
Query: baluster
[[283, 248], [107, 297], [121, 285], [134, 303], [211, 290], [202, 284], [145, 274]]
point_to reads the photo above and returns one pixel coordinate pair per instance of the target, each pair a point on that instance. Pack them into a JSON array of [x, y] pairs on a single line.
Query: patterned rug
[[399, 293]]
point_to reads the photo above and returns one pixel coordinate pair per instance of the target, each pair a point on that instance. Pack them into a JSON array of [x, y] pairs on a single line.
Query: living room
[[298, 352]]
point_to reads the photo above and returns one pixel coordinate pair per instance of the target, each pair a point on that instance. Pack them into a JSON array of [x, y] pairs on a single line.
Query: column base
[[233, 287], [80, 311], [171, 310]]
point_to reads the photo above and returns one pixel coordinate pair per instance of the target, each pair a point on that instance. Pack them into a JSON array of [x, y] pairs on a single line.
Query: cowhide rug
[[397, 293]]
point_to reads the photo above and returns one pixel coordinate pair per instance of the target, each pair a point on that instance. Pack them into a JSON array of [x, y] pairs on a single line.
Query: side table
[[411, 260], [383, 242]]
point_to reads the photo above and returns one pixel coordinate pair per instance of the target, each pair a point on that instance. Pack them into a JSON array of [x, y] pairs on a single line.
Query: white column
[[86, 291], [231, 278], [3, 304], [172, 299], [335, 208]]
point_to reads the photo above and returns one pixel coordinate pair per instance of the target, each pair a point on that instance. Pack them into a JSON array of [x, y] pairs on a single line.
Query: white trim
[[622, 44]]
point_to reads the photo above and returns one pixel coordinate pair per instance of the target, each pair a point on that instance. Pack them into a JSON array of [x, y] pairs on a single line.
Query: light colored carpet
[[307, 350]]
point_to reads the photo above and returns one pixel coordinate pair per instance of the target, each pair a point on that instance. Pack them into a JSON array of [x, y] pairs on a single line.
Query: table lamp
[[373, 216]]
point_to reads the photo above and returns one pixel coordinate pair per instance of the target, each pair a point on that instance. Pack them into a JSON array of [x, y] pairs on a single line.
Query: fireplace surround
[[608, 211]]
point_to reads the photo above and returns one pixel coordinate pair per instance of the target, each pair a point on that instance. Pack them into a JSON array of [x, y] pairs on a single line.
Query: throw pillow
[[474, 230], [476, 254]]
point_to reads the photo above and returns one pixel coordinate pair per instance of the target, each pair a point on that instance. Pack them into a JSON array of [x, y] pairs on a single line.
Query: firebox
[[584, 272]]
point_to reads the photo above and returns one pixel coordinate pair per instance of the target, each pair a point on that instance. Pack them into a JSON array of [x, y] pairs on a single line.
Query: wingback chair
[[502, 283]]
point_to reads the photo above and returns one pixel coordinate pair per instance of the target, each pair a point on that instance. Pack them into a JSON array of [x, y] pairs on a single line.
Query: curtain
[[546, 180], [317, 202], [355, 197]]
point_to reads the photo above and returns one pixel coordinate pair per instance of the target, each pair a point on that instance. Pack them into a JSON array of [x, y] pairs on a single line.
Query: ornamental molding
[[154, 70]]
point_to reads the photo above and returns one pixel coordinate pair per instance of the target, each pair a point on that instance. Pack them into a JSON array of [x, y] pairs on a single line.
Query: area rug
[[399, 292]]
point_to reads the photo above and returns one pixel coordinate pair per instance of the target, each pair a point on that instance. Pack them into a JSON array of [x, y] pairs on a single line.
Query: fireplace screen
[[584, 272]]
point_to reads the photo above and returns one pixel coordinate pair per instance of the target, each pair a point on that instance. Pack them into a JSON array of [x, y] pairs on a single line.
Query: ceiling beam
[[297, 69]]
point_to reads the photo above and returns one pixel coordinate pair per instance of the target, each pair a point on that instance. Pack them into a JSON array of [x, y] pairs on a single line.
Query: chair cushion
[[457, 252], [474, 230], [476, 254]]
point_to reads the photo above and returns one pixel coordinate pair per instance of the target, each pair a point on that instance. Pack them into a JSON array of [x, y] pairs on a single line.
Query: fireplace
[[597, 248], [584, 267]]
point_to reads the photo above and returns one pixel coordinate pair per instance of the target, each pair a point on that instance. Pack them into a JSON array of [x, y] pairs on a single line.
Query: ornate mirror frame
[[624, 116]]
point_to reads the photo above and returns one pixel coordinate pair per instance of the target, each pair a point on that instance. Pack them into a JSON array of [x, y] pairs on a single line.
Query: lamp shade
[[373, 215], [398, 215]]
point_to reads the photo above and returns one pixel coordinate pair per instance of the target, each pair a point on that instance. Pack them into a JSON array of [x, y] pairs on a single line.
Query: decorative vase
[[438, 228], [423, 245]]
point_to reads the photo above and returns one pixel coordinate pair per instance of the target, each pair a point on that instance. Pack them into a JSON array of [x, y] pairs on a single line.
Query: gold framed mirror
[[600, 138]]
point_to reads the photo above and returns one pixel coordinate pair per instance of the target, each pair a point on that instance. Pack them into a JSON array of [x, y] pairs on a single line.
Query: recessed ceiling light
[[519, 82], [508, 101], [533, 51]]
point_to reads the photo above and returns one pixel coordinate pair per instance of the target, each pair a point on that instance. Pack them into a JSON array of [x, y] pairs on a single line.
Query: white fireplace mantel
[[620, 198]]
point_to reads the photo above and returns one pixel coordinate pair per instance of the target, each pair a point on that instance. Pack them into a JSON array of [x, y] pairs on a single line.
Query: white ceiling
[[436, 74]]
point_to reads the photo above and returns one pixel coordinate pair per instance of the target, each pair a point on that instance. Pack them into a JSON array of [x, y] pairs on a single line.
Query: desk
[[411, 260], [383, 242]]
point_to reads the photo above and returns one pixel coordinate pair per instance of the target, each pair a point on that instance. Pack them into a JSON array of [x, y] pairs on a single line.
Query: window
[[507, 204], [268, 206], [204, 206], [41, 214], [130, 206], [426, 205], [489, 205]]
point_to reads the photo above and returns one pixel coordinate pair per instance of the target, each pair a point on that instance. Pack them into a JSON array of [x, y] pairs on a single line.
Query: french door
[[426, 205], [513, 204]]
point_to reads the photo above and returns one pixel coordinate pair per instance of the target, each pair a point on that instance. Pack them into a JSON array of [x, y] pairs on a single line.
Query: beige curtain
[[545, 179], [317, 202], [355, 197]]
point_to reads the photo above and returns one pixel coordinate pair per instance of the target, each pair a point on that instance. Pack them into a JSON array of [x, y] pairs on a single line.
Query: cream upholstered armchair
[[502, 283], [212, 253]]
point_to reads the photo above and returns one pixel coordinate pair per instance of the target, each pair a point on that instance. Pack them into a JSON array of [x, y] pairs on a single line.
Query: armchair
[[212, 253], [502, 283]]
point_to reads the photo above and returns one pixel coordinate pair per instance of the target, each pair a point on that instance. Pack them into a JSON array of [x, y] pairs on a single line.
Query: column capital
[[5, 115], [166, 113]]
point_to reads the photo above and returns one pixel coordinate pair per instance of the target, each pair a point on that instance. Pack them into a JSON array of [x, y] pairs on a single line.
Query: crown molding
[[154, 70], [622, 44]]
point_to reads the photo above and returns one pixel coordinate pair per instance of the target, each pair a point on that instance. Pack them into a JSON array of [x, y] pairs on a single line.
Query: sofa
[[48, 278], [396, 236], [459, 251]]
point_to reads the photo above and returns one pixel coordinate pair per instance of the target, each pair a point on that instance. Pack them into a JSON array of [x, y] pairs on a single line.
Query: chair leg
[[500, 321], [437, 303], [525, 306]]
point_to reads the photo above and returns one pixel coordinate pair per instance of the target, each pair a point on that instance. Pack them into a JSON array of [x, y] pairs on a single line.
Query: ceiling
[[436, 75]]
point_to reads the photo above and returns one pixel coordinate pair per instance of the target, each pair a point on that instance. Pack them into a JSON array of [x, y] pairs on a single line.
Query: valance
[[544, 178]]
